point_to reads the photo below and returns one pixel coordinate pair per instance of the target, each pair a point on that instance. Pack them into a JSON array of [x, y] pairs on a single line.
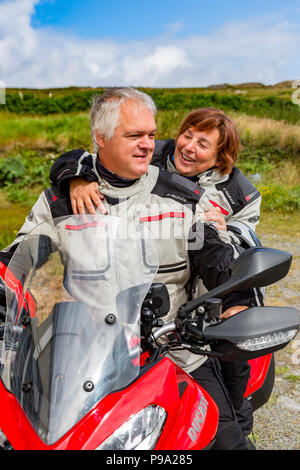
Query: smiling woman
[[207, 138], [196, 151]]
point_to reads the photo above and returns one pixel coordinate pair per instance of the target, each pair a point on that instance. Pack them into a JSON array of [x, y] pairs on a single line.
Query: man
[[123, 129]]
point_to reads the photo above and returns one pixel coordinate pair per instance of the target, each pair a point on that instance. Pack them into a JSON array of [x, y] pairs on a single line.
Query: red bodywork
[[259, 370], [192, 415], [191, 419]]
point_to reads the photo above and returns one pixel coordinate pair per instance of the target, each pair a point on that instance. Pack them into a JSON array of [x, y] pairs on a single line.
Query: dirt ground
[[277, 423]]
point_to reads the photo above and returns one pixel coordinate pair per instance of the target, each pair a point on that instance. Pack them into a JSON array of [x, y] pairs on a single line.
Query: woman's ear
[[100, 139]]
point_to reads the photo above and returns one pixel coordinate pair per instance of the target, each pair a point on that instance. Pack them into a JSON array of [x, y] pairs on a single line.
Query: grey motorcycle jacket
[[170, 206]]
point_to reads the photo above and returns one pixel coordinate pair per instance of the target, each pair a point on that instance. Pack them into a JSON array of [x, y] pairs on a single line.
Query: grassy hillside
[[36, 126]]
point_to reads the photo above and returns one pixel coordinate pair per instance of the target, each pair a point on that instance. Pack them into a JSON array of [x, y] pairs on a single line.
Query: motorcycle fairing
[[74, 350], [114, 409]]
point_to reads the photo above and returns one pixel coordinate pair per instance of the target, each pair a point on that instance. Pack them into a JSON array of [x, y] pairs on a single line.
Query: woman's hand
[[233, 311], [215, 215], [84, 195]]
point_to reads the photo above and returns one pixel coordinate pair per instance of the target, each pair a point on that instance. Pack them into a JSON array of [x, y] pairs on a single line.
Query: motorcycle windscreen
[[75, 289]]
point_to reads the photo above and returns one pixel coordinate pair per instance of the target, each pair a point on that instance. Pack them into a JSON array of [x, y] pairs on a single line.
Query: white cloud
[[261, 50]]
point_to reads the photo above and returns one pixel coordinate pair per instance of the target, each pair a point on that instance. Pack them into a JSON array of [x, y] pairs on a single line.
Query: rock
[[290, 403]]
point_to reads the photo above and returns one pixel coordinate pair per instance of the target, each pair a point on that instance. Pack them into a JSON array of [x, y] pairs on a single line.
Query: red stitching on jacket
[[224, 211], [152, 218]]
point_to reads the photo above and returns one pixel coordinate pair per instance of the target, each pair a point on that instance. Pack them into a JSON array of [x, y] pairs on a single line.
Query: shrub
[[23, 177], [70, 101], [11, 169], [278, 197]]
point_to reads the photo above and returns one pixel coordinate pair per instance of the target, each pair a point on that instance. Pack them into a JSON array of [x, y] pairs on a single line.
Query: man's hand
[[84, 194], [233, 311], [215, 215]]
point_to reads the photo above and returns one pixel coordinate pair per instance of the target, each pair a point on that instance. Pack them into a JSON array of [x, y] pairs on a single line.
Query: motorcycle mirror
[[255, 267], [260, 266], [254, 332]]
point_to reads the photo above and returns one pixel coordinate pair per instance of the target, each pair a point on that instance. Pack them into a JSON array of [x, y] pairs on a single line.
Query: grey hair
[[105, 110]]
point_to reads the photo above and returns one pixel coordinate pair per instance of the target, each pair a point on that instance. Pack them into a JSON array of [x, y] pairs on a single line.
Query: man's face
[[128, 153]]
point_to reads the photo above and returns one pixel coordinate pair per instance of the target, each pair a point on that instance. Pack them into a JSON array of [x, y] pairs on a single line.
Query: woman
[[205, 151]]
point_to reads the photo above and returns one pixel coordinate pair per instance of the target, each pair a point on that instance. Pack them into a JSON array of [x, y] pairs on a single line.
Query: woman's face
[[196, 151]]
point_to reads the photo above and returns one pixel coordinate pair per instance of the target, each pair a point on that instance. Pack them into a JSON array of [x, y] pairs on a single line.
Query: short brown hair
[[207, 119]]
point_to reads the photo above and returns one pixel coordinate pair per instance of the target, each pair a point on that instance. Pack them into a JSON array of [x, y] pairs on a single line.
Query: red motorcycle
[[84, 353]]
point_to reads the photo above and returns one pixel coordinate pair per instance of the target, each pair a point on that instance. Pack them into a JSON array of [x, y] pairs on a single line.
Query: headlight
[[4, 443], [140, 432], [267, 341]]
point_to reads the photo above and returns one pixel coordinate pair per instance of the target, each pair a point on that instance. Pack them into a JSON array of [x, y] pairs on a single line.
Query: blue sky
[[132, 19], [48, 43]]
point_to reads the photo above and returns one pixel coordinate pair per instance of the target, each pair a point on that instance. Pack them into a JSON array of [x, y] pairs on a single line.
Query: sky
[[157, 43]]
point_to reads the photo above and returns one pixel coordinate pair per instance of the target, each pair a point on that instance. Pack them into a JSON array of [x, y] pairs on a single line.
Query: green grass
[[12, 218], [292, 378], [55, 133], [277, 223], [30, 142], [24, 175], [60, 132]]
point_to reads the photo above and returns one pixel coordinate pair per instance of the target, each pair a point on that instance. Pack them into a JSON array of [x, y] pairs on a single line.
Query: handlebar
[[163, 330]]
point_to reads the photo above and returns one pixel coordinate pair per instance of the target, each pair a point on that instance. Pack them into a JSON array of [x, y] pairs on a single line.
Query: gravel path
[[277, 424]]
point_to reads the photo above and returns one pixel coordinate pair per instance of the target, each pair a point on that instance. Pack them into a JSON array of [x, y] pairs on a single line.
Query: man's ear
[[100, 139]]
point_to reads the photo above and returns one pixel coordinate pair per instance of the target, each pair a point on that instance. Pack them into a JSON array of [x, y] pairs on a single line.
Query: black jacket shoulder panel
[[59, 204], [163, 148], [71, 157], [244, 184], [74, 154], [177, 187], [67, 165], [238, 190]]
